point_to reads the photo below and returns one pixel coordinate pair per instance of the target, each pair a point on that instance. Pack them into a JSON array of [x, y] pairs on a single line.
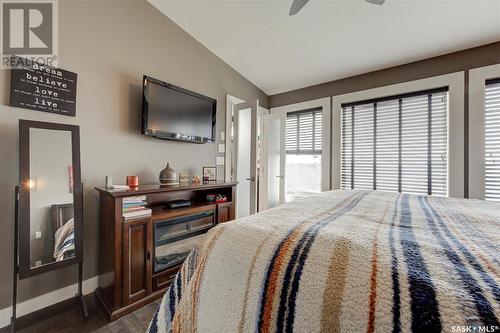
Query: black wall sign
[[43, 88]]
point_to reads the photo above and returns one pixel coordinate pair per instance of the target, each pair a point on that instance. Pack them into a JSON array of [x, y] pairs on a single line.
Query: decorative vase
[[168, 176]]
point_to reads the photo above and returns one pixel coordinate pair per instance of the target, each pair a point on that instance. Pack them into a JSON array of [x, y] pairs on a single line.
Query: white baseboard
[[47, 299]]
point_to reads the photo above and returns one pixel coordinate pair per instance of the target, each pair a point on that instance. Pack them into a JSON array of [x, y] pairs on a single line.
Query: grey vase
[[168, 175]]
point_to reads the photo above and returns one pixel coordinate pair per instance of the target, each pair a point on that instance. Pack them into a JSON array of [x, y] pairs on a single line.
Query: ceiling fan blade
[[297, 6], [376, 2]]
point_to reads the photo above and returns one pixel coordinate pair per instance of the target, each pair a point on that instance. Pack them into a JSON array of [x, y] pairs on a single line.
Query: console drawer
[[164, 279]]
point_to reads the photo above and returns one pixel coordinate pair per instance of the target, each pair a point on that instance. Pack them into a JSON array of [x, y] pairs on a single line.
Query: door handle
[[280, 176], [252, 179]]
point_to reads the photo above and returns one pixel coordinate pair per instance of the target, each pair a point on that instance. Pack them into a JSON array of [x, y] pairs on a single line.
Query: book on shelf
[[135, 204], [134, 207], [136, 214]]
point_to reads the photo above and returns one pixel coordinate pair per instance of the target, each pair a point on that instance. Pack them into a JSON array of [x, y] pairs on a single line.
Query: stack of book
[[135, 207]]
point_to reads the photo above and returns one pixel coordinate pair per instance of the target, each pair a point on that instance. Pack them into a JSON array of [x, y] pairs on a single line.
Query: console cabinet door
[[137, 246], [225, 212]]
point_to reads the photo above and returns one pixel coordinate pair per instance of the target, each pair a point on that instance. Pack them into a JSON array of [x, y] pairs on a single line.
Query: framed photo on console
[[211, 172]]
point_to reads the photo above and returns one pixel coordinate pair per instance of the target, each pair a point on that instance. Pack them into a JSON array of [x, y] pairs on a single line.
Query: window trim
[[478, 77], [492, 137], [455, 84], [427, 94], [325, 104]]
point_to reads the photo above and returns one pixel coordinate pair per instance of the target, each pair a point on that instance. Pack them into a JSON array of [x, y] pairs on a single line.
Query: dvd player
[[178, 203]]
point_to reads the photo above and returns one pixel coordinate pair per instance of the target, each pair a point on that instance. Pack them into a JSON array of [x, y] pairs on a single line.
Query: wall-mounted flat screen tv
[[173, 113]]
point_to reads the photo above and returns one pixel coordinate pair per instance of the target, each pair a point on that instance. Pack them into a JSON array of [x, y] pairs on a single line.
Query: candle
[[133, 181]]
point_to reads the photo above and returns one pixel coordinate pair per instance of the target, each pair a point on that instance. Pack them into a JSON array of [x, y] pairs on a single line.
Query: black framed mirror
[[50, 197]]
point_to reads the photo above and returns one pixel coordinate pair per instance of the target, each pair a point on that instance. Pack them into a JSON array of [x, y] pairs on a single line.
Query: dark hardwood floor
[[70, 321]]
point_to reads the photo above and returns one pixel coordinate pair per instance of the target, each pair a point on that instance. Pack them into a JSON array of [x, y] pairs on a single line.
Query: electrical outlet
[[222, 136], [38, 263], [220, 160], [222, 148], [38, 234]]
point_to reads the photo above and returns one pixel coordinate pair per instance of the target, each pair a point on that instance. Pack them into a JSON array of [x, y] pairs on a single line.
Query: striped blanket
[[344, 261]]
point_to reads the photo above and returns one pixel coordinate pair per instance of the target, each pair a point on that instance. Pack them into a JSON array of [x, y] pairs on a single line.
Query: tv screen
[[170, 112]]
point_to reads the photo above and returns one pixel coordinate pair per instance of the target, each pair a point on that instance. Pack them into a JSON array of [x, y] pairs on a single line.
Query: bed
[[63, 222], [344, 261]]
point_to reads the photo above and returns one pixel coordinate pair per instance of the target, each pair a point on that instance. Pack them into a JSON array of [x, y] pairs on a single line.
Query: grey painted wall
[[449, 63], [111, 44]]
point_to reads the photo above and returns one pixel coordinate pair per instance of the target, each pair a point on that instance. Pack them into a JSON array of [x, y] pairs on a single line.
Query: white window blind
[[397, 143], [492, 140], [304, 132]]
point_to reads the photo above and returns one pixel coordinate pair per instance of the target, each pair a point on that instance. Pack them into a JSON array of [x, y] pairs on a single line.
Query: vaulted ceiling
[[330, 39]]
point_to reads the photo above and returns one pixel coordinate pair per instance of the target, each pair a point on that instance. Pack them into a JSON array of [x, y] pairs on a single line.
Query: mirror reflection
[[51, 197]]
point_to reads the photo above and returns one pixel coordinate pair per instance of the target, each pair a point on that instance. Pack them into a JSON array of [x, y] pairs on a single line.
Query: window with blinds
[[397, 143], [492, 140], [304, 132]]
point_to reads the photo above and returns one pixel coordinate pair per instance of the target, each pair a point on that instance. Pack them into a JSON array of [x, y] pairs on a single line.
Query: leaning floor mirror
[[48, 226], [50, 197]]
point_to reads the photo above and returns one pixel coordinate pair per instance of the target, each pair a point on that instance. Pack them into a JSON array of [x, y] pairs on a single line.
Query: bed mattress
[[344, 261]]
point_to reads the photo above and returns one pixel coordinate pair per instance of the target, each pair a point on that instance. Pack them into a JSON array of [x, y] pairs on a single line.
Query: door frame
[[326, 106], [228, 136], [262, 144]]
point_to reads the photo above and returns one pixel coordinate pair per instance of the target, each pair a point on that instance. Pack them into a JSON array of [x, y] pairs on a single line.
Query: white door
[[263, 132], [244, 157], [274, 159]]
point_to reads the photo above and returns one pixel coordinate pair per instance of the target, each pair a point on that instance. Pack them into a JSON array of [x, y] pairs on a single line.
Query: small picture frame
[[211, 172], [184, 177]]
